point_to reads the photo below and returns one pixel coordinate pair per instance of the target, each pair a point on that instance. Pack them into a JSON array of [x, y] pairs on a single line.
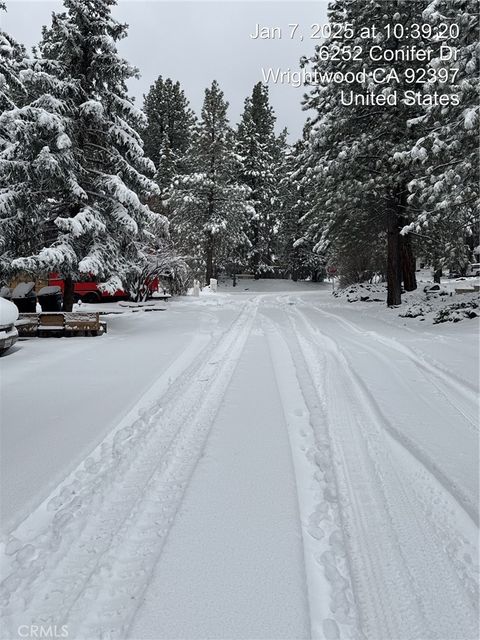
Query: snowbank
[[435, 303]]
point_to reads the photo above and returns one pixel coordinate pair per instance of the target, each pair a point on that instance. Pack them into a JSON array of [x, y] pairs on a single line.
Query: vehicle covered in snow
[[8, 331], [473, 269]]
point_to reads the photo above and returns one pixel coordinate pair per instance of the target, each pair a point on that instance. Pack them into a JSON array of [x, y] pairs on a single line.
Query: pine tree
[[101, 212], [296, 191], [362, 184], [167, 136], [444, 192], [12, 62], [37, 167], [260, 156], [209, 206], [168, 116]]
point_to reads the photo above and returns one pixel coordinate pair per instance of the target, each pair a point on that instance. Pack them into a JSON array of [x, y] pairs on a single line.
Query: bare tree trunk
[[209, 272], [256, 254], [139, 290], [209, 256], [68, 294], [408, 263], [437, 268], [394, 274]]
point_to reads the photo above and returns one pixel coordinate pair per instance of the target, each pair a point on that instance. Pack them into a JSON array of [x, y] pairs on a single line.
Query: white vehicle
[[8, 332], [473, 269]]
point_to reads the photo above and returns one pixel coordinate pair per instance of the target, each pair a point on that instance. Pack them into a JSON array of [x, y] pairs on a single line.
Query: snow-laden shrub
[[163, 264], [415, 311], [363, 292], [457, 311]]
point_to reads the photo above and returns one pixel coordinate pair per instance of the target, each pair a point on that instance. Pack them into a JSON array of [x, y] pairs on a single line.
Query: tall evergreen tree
[[37, 167], [101, 209], [260, 156], [12, 61], [168, 134], [444, 194], [168, 113], [296, 189], [362, 186], [209, 205]]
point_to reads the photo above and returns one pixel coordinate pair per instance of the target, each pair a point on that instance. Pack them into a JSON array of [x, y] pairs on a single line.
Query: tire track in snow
[[455, 531], [89, 565], [443, 380], [363, 562], [332, 608], [404, 586], [465, 499]]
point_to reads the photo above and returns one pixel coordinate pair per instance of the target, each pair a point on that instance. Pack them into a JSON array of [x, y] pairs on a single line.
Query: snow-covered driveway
[[263, 464]]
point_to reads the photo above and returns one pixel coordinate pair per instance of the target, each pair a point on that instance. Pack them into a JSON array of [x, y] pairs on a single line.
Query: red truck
[[88, 290]]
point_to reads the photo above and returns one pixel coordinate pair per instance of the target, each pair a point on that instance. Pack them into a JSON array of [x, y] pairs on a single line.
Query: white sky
[[197, 41]]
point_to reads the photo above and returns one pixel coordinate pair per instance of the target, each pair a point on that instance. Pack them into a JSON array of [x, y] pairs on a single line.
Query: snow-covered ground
[[264, 462]]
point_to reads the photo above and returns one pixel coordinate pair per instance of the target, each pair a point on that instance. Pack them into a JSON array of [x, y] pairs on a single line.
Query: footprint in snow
[[330, 629]]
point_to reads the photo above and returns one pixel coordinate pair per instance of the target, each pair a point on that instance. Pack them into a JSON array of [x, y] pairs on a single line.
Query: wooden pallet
[[83, 324], [57, 324], [27, 325], [50, 325]]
